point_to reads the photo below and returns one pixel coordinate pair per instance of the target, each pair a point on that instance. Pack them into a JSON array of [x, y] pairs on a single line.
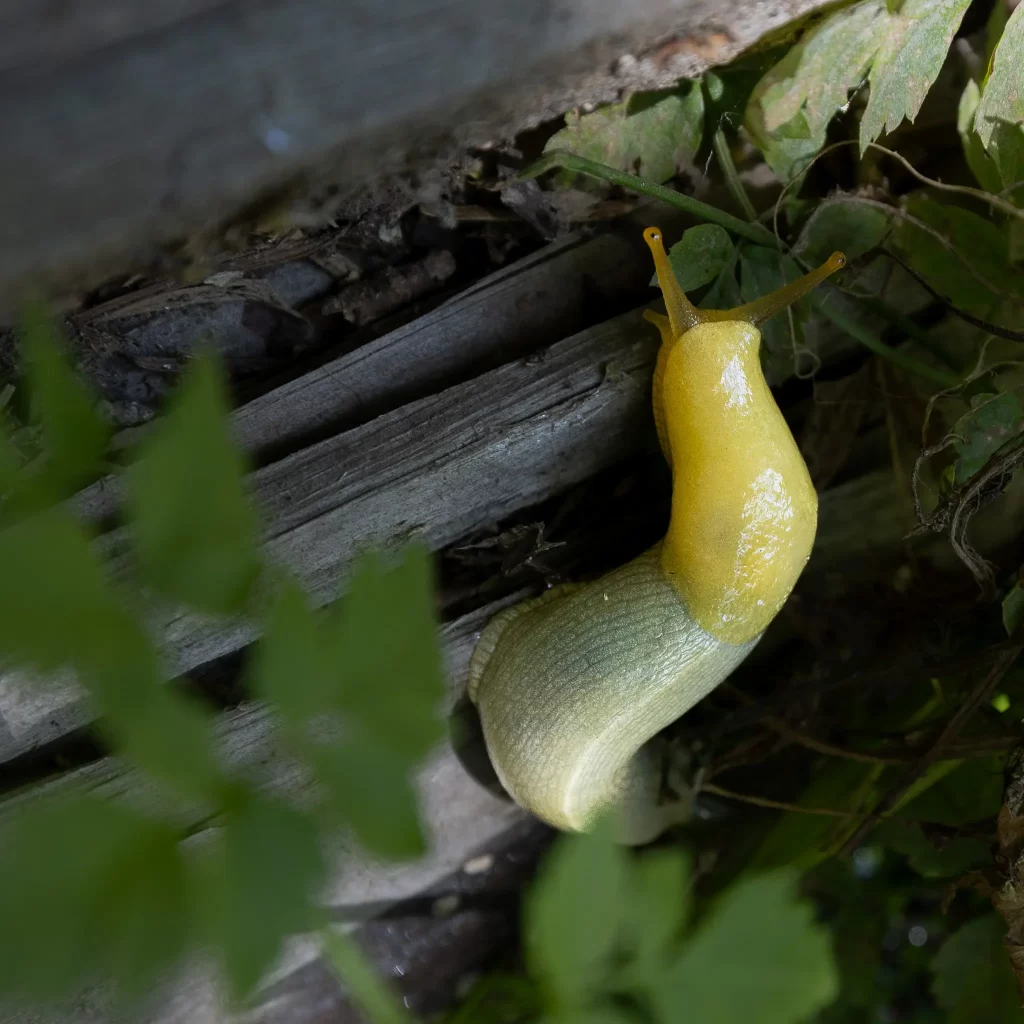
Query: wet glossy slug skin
[[571, 686]]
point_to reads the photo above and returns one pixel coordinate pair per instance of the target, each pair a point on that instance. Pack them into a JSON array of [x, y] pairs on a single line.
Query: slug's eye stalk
[[683, 315]]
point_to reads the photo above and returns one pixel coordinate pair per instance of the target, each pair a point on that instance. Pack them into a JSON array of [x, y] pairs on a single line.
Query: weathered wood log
[[135, 124]]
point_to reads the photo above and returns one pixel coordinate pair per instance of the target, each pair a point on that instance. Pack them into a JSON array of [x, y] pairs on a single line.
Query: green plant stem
[[941, 377], [369, 992], [580, 164], [720, 145], [751, 231]]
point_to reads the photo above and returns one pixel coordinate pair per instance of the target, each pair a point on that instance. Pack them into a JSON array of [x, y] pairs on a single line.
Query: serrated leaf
[[651, 134], [574, 912], [58, 610], [758, 955], [976, 273], [268, 870], [831, 61], [841, 224], [1013, 608], [908, 61], [195, 530], [980, 433], [700, 256], [92, 890], [1002, 100], [386, 646], [74, 436], [971, 975], [788, 148], [982, 166]]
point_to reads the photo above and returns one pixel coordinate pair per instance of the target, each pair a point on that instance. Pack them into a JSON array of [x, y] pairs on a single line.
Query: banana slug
[[572, 686]]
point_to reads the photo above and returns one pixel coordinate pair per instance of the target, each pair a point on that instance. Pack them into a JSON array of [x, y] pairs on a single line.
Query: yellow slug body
[[744, 510], [572, 686]]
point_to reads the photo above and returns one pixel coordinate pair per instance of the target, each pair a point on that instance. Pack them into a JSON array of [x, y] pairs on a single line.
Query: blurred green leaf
[[92, 891], [268, 869], [361, 689], [841, 224], [982, 166], [972, 978], [758, 955], [385, 642], [370, 788], [651, 134], [908, 61], [58, 610], [1002, 99], [700, 256], [74, 436], [195, 530], [980, 433], [573, 914], [1013, 608], [657, 907]]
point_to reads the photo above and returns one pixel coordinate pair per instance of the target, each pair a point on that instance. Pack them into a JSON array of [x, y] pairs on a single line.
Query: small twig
[[775, 805], [732, 179], [981, 693], [970, 318]]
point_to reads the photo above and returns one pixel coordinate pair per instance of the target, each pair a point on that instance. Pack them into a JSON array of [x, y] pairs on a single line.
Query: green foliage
[[371, 690], [910, 55], [972, 976], [758, 945], [194, 529], [1013, 608], [992, 420], [700, 256], [841, 224], [899, 52], [759, 951], [262, 877], [102, 892], [652, 134], [92, 890]]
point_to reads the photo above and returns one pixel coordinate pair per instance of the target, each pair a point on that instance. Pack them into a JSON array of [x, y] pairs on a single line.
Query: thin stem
[[732, 179], [898, 358], [581, 165], [775, 805]]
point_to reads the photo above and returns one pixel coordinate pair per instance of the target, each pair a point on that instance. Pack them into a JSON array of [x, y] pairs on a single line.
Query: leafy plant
[[356, 688]]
